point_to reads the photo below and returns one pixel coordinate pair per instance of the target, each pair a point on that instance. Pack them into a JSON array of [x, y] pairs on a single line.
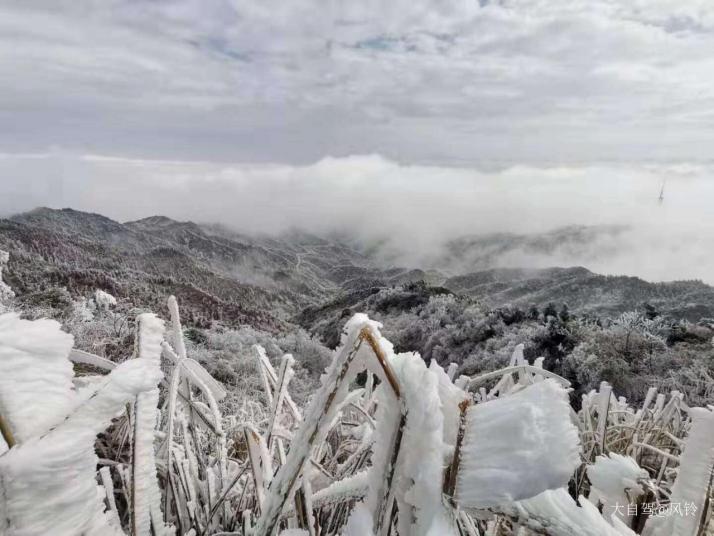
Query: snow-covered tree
[[6, 293]]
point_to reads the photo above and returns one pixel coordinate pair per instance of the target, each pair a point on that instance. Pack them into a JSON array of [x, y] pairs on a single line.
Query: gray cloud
[[416, 80]]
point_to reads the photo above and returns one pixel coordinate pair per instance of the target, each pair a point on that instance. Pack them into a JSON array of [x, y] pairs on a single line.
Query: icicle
[[692, 486], [421, 463], [105, 474], [320, 413], [281, 387], [175, 334], [603, 409], [146, 495]]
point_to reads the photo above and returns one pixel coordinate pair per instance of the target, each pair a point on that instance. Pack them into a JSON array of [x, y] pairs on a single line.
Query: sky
[[457, 82], [421, 119]]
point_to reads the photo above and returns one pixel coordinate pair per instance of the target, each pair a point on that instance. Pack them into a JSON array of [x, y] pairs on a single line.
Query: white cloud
[[418, 207], [501, 114]]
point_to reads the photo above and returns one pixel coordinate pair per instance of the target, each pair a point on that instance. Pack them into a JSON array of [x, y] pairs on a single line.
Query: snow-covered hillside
[[436, 415], [385, 445]]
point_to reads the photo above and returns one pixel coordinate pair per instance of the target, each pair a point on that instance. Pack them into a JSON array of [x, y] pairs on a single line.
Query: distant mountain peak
[[68, 220], [159, 223], [57, 212], [153, 221]]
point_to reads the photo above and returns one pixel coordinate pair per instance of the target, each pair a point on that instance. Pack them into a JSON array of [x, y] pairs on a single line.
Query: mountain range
[[274, 282]]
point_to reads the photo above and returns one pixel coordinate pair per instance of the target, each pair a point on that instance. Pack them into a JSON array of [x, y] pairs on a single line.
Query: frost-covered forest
[[356, 268], [401, 410]]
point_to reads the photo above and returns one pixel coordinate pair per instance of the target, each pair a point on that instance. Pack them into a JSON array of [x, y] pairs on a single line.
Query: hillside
[[270, 282], [585, 292], [220, 275]]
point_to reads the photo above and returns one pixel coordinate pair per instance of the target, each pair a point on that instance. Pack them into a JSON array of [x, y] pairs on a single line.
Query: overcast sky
[[421, 118], [452, 82]]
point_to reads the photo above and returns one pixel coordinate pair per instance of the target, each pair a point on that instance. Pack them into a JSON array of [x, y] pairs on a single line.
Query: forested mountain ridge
[[221, 275], [294, 292], [586, 292], [267, 282]]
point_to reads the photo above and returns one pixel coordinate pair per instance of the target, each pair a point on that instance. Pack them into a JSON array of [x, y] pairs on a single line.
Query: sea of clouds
[[413, 210]]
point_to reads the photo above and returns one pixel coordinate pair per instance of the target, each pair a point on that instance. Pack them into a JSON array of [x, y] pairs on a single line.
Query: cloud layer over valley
[[409, 210], [489, 116]]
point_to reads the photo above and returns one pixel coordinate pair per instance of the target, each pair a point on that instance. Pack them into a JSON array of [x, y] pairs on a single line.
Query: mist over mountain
[[269, 281], [413, 215]]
